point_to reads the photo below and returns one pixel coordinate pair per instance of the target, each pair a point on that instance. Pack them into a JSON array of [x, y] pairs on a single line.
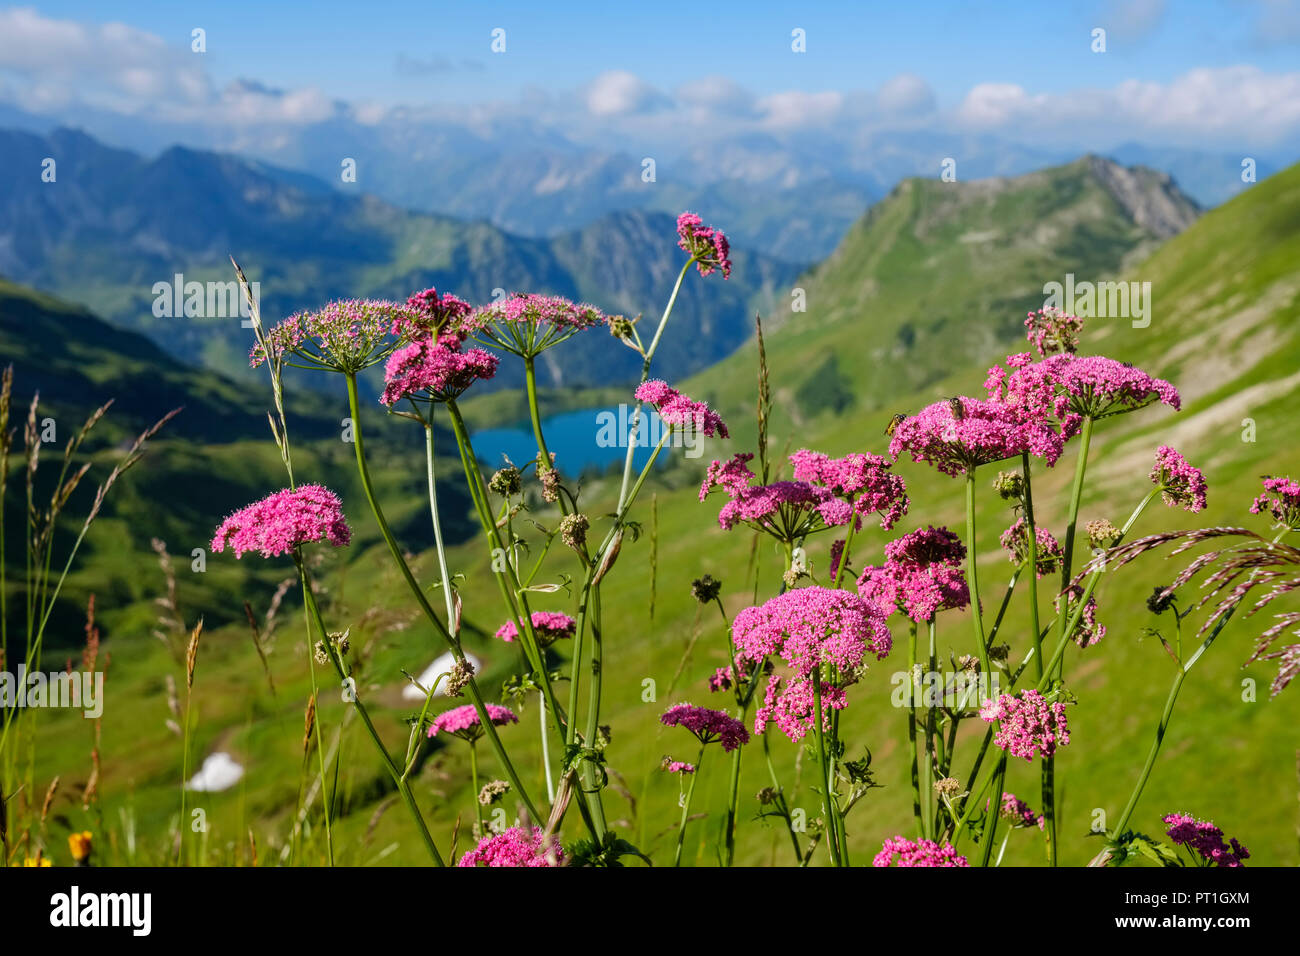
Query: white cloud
[[797, 108], [1239, 104], [618, 93]]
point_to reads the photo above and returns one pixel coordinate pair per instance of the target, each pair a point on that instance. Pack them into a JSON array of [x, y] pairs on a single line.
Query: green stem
[[686, 808], [452, 643], [399, 778], [1047, 783], [832, 838], [474, 792], [914, 687]]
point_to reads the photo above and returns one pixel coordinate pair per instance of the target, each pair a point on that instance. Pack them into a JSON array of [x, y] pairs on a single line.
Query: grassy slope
[[1226, 304]]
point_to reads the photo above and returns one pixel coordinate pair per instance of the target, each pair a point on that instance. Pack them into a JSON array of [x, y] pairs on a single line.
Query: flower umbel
[[283, 521]]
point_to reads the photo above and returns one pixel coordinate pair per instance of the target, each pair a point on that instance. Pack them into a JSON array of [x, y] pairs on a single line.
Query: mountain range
[[112, 226]]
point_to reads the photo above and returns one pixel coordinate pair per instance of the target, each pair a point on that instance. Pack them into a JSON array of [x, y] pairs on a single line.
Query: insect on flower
[[894, 423], [955, 406]]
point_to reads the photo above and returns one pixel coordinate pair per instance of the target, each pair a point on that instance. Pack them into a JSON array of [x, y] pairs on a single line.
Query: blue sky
[[1208, 74], [351, 50]]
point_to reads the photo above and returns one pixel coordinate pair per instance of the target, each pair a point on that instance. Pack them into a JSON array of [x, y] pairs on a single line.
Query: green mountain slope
[[1224, 329]]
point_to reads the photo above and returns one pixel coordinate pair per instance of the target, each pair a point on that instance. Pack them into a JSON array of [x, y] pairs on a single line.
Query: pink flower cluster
[[464, 721], [281, 522], [808, 627], [549, 626], [430, 313], [724, 678], [347, 335], [1204, 839], [1051, 330], [921, 576], [527, 324], [1030, 725], [1019, 812], [1180, 484], [708, 246], [982, 432], [516, 847], [707, 725], [1070, 387], [1016, 542], [866, 481], [435, 369], [676, 409], [1281, 499], [900, 851], [678, 766], [1089, 631]]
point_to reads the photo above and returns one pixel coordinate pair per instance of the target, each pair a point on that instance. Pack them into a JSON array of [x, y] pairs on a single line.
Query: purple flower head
[[865, 481], [1180, 484], [464, 721], [1205, 840], [344, 336], [548, 626], [1070, 388], [527, 325], [707, 246], [1019, 812], [1030, 725], [434, 370], [732, 476], [1016, 542], [676, 409], [516, 847], [281, 522], [428, 313], [900, 851], [1281, 499], [956, 443], [707, 725], [806, 628], [1051, 330], [921, 576]]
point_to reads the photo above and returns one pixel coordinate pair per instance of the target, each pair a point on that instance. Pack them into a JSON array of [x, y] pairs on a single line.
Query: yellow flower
[[39, 861], [79, 845]]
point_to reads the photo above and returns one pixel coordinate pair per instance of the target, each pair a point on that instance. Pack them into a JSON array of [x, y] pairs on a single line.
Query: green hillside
[[1224, 330]]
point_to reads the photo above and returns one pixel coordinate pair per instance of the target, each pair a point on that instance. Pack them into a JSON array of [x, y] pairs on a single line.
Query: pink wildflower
[[732, 476], [676, 409], [1071, 387], [678, 766], [865, 481], [707, 246], [1089, 631], [1179, 482], [1030, 725], [1281, 499], [344, 336], [1205, 840], [429, 313], [437, 371], [1019, 812], [283, 521], [985, 432], [808, 627], [1052, 330], [1016, 542], [707, 725], [464, 721], [516, 847], [900, 851], [526, 324], [921, 576], [548, 626]]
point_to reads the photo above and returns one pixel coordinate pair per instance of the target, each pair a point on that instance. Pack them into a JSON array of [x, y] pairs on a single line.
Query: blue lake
[[582, 440]]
